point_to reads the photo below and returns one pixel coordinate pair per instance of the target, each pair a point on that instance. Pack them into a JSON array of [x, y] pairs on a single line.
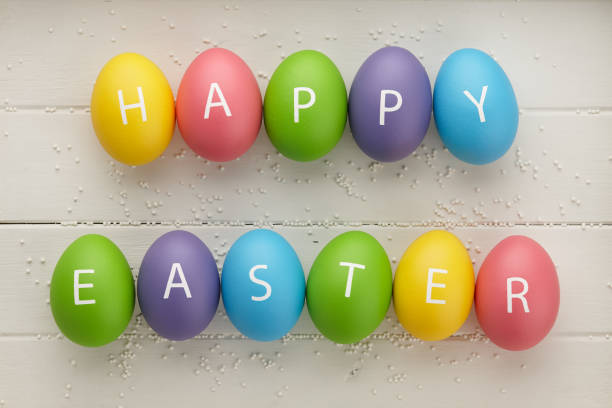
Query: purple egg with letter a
[[390, 104], [178, 285]]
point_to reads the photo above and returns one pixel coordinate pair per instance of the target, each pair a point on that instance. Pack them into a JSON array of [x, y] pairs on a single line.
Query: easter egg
[[433, 288], [517, 293], [390, 104], [263, 285], [474, 107], [349, 287], [92, 291], [305, 106], [218, 105], [132, 109], [178, 285]]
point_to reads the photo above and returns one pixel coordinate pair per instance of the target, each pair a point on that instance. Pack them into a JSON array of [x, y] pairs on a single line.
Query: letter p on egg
[[383, 108], [296, 101]]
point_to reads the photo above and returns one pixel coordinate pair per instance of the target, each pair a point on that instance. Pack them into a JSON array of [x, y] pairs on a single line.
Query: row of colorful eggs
[[348, 290], [219, 106]]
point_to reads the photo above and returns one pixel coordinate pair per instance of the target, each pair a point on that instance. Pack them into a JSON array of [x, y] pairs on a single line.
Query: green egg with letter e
[[349, 287], [92, 291], [305, 106]]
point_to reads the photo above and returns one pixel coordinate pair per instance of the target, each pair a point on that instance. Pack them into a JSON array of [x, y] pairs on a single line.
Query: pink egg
[[218, 105], [517, 293]]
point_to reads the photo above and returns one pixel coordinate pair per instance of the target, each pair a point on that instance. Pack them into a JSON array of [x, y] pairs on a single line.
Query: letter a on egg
[[176, 267], [214, 87]]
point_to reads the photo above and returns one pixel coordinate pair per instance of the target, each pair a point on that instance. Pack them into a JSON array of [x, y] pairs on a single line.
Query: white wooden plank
[[558, 170], [555, 58], [582, 257], [559, 372]]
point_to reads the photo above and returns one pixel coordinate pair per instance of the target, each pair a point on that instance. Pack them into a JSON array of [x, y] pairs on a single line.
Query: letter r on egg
[[521, 295]]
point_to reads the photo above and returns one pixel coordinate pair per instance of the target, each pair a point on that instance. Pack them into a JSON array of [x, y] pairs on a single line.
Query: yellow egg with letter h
[[433, 288], [132, 109]]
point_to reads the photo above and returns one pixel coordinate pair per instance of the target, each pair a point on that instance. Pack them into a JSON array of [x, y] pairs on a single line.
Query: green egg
[[305, 106], [349, 287], [92, 291]]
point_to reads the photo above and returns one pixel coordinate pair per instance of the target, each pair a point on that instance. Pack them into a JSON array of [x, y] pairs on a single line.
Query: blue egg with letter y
[[475, 108], [263, 285]]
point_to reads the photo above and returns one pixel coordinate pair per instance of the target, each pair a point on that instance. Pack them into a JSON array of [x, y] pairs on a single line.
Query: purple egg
[[390, 104], [178, 285]]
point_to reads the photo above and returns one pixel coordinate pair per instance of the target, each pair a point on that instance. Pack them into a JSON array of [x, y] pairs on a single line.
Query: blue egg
[[263, 285], [474, 106]]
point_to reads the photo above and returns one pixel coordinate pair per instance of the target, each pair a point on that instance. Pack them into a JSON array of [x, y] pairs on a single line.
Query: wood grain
[[558, 170], [140, 372], [554, 59]]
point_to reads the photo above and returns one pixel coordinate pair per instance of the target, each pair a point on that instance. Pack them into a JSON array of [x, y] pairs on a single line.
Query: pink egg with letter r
[[517, 293], [218, 105]]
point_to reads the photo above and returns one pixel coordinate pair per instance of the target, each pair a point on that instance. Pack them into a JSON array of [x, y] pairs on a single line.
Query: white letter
[[479, 105], [260, 282], [177, 267], [78, 286], [521, 295], [296, 101], [210, 104], [349, 280], [430, 285], [383, 108], [140, 104]]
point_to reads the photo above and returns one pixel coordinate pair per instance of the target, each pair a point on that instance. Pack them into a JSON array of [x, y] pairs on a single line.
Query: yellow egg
[[132, 109], [433, 288]]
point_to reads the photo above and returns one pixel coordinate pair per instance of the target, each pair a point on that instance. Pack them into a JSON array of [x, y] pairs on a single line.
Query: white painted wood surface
[[57, 183]]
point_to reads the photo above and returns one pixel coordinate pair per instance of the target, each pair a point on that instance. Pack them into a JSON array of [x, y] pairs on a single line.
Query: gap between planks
[[308, 224], [526, 110], [404, 336]]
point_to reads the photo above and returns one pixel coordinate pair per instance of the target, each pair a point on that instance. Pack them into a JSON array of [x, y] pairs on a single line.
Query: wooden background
[[553, 185]]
